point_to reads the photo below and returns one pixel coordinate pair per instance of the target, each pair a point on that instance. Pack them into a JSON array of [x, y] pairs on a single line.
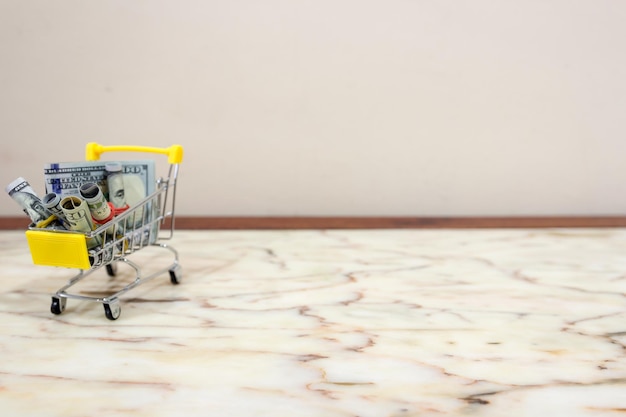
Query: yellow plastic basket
[[58, 249]]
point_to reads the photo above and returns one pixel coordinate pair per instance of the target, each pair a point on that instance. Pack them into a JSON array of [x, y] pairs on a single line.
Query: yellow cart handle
[[174, 153]]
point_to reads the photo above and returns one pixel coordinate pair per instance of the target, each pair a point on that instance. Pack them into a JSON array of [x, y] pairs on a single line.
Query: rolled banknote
[[52, 202], [115, 184], [78, 217], [98, 205], [21, 191]]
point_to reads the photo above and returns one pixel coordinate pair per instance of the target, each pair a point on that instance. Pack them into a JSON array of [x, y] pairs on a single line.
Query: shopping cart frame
[[136, 228]]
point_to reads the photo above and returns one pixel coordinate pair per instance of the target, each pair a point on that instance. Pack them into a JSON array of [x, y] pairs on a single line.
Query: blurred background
[[329, 108]]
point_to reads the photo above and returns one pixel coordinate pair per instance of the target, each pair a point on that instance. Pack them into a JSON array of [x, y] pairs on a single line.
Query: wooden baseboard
[[270, 223], [293, 223]]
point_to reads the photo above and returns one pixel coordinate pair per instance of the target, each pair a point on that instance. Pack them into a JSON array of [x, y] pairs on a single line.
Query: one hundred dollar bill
[[66, 178]]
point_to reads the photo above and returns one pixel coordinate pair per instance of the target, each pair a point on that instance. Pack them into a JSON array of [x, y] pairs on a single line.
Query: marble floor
[[365, 323]]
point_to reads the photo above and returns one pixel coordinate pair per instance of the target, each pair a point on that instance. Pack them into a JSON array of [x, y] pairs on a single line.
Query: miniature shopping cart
[[135, 228]]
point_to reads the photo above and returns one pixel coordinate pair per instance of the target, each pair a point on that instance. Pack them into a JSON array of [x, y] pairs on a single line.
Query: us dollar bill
[[115, 184], [21, 191], [101, 256], [78, 217], [138, 181], [97, 203], [66, 178], [52, 202]]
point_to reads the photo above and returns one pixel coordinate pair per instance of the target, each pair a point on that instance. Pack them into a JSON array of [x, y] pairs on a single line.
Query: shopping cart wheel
[[112, 311], [58, 305], [175, 274], [112, 269]]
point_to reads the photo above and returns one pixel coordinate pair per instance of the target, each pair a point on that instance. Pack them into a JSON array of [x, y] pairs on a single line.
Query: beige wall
[[343, 107]]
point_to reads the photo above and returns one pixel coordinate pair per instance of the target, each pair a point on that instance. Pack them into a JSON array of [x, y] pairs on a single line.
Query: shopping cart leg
[[175, 274], [58, 305], [112, 309]]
